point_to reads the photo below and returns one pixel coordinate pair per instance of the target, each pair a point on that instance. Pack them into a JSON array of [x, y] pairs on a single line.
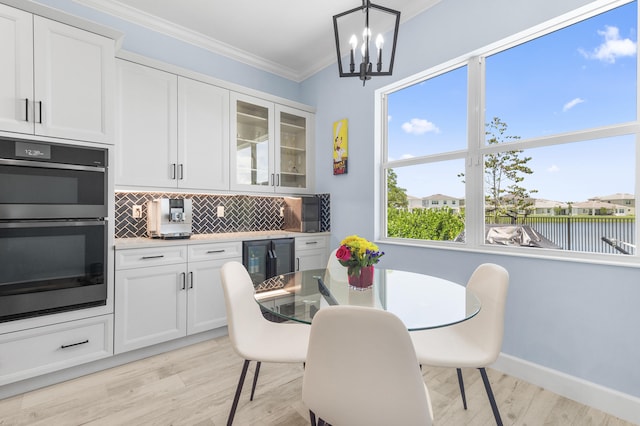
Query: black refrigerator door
[[284, 253], [267, 258], [255, 256]]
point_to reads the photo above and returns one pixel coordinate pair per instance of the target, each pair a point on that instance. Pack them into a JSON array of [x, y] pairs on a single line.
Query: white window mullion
[[474, 182]]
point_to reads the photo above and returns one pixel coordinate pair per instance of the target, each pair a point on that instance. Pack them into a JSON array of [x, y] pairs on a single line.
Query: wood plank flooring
[[195, 386]]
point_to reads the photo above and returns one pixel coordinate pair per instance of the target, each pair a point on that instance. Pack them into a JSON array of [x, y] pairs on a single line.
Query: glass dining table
[[420, 301]]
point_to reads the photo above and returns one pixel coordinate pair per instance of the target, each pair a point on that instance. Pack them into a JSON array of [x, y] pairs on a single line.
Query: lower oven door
[[51, 266]]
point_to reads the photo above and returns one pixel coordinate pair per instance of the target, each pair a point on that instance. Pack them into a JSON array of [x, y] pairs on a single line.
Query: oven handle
[[43, 165], [52, 224]]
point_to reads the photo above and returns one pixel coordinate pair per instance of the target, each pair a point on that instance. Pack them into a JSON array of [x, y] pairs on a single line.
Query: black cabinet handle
[[277, 179], [215, 251], [40, 112], [26, 109], [74, 344], [297, 263], [173, 170], [181, 171], [159, 256], [184, 279], [311, 242], [191, 279]]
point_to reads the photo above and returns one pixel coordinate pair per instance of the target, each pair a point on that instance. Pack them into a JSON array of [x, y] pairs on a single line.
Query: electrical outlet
[[220, 211], [281, 211], [136, 212]]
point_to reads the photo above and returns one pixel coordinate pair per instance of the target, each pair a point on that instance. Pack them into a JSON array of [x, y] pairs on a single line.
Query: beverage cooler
[[268, 258]]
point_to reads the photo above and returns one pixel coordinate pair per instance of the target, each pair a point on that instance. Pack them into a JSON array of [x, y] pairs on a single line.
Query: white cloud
[[406, 156], [419, 126], [553, 169], [612, 47], [571, 104]]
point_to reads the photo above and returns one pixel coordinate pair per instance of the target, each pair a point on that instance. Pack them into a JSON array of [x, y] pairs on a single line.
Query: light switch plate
[[220, 211], [136, 212]]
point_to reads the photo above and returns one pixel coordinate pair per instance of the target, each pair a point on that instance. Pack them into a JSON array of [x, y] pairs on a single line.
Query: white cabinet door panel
[[16, 72], [74, 85], [205, 298], [146, 147], [203, 139], [150, 306]]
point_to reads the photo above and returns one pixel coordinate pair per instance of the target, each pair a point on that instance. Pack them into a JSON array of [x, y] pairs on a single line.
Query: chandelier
[[354, 31]]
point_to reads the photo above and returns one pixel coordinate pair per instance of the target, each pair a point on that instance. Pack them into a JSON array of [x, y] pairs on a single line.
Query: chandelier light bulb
[[379, 42], [353, 41]]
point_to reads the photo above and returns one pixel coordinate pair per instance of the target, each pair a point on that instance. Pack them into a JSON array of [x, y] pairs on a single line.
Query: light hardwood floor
[[195, 386]]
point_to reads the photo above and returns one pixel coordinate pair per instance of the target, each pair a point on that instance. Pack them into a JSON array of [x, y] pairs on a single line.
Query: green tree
[[504, 173], [396, 196], [424, 224]]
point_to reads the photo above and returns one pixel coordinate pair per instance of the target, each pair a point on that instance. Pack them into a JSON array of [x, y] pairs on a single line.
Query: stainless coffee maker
[[169, 218]]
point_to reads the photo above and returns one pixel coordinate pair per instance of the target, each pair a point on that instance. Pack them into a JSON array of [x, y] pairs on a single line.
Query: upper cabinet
[[173, 131], [57, 80], [270, 146]]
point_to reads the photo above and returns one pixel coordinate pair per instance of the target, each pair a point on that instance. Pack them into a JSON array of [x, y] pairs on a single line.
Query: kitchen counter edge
[[144, 242]]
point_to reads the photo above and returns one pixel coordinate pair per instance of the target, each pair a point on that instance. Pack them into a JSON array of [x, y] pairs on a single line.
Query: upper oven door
[[55, 185]]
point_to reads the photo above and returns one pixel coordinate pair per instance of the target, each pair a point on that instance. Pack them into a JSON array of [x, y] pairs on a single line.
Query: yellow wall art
[[340, 147]]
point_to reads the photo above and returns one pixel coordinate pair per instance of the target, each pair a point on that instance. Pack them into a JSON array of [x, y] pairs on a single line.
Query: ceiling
[[290, 38]]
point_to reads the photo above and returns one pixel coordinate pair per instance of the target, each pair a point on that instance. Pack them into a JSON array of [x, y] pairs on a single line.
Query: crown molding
[[173, 30]]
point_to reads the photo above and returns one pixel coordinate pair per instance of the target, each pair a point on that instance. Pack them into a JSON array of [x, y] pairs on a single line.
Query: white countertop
[[144, 242]]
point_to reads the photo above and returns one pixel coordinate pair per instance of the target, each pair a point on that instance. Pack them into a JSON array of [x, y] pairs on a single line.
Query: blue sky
[[583, 76]]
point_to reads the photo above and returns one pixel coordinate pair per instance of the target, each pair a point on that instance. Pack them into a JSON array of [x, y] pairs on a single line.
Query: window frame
[[477, 149]]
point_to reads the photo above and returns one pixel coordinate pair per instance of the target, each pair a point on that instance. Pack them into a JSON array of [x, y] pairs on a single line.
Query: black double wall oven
[[53, 228]]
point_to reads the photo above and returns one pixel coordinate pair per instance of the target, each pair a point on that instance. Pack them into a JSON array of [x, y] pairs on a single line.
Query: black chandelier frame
[[365, 71]]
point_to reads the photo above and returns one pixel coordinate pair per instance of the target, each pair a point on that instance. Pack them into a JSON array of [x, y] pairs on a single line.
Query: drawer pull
[[74, 344], [153, 257], [215, 251], [311, 242]]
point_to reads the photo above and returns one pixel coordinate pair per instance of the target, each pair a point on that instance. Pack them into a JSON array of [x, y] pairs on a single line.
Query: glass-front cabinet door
[[252, 164], [272, 146], [292, 160]]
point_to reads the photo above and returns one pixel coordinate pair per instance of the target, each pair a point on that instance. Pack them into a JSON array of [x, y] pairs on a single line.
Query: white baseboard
[[621, 405]]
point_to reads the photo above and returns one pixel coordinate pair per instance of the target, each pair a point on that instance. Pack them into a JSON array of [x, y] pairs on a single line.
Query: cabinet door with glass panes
[[252, 164], [270, 152], [293, 162]]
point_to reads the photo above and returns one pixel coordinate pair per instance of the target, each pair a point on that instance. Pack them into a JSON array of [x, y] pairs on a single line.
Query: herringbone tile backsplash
[[242, 213]]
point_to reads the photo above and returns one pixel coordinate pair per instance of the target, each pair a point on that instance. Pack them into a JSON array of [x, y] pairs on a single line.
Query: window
[[546, 156]]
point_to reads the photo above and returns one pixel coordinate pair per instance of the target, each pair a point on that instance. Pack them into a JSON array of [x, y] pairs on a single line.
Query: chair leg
[[312, 417], [255, 380], [492, 399], [236, 398], [461, 383]]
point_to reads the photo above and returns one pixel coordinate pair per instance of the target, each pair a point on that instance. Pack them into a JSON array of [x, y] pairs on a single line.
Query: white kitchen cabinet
[[203, 135], [36, 351], [165, 293], [57, 80], [172, 131], [312, 252], [271, 152]]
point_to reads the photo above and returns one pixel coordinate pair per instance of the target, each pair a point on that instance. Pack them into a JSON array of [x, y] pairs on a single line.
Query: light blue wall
[[160, 47], [578, 318]]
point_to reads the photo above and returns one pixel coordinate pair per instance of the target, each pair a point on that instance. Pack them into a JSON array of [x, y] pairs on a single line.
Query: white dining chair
[[476, 342], [362, 370], [252, 336]]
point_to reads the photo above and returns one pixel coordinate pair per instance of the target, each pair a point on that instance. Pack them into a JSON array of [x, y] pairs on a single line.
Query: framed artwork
[[340, 147]]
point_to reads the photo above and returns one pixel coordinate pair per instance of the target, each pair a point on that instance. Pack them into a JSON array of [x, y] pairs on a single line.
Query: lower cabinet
[[163, 294], [311, 252], [29, 353]]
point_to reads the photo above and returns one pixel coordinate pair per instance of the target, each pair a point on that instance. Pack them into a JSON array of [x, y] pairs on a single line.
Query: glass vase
[[360, 277]]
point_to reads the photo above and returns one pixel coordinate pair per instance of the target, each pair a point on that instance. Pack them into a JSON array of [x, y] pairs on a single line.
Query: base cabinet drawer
[[41, 350]]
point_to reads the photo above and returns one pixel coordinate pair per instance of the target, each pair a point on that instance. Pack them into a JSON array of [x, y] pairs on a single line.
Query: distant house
[[626, 202], [414, 202], [549, 207], [595, 207], [439, 201]]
